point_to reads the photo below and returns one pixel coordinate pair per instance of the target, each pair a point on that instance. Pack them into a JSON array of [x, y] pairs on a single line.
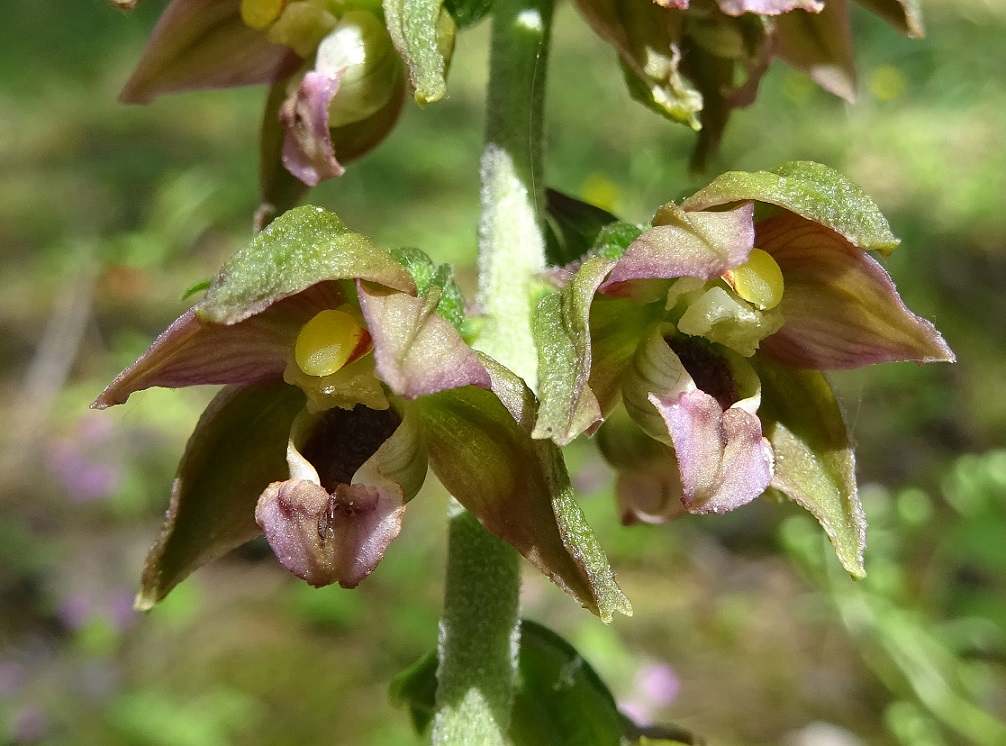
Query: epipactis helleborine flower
[[684, 59], [338, 82], [712, 327], [344, 375]]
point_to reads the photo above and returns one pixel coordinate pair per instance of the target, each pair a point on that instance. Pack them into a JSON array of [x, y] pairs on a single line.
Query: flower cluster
[[712, 327], [694, 61], [339, 71], [344, 376]]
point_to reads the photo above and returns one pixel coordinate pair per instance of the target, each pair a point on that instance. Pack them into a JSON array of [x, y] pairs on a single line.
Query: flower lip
[[341, 440], [711, 373]]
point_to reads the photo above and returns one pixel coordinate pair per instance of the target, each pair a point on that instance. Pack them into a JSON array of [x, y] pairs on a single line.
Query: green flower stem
[[479, 636], [511, 241], [479, 632]]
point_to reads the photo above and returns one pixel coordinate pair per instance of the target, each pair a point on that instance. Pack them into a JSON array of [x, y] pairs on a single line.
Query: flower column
[[479, 633]]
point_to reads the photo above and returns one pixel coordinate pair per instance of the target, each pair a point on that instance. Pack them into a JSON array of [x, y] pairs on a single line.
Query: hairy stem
[[511, 242], [479, 631]]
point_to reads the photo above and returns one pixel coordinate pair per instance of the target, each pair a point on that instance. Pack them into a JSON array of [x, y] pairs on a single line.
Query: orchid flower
[[694, 61], [712, 326], [338, 82], [344, 376]]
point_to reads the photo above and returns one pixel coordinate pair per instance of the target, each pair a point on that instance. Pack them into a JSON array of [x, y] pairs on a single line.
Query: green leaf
[[560, 699], [237, 449], [573, 226], [808, 189], [516, 487], [905, 15], [423, 34], [428, 275], [814, 461], [301, 248], [562, 336], [416, 689], [468, 12], [820, 44]]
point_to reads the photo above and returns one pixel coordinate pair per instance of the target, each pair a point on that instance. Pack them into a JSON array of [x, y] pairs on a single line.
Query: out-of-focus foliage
[[108, 213]]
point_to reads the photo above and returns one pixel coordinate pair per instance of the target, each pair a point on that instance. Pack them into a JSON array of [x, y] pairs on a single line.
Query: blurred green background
[[745, 629]]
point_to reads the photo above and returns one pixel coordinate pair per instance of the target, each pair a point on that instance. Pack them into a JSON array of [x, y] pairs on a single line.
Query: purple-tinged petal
[[723, 459], [703, 403], [820, 45], [417, 351], [200, 44], [236, 450], [686, 244], [650, 496], [648, 487], [327, 539], [841, 307], [192, 352], [307, 149], [768, 7]]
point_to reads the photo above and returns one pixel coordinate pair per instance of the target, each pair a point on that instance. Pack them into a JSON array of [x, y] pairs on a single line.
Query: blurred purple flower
[[72, 461], [658, 683], [12, 677], [654, 687]]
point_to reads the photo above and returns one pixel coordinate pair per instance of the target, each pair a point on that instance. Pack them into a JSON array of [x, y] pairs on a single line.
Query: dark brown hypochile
[[343, 439], [711, 372]]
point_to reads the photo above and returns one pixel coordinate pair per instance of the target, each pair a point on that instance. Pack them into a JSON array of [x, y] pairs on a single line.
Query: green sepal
[[423, 33], [301, 248], [236, 450], [814, 461], [904, 15], [808, 189], [559, 699], [468, 12], [681, 103], [480, 448], [820, 45], [572, 227], [562, 336], [428, 275], [713, 78], [613, 239], [195, 288]]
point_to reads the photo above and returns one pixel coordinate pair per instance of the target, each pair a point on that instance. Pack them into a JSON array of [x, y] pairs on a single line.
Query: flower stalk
[[479, 632]]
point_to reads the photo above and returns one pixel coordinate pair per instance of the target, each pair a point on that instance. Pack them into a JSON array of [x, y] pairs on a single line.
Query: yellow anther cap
[[260, 13], [328, 342], [758, 280]]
